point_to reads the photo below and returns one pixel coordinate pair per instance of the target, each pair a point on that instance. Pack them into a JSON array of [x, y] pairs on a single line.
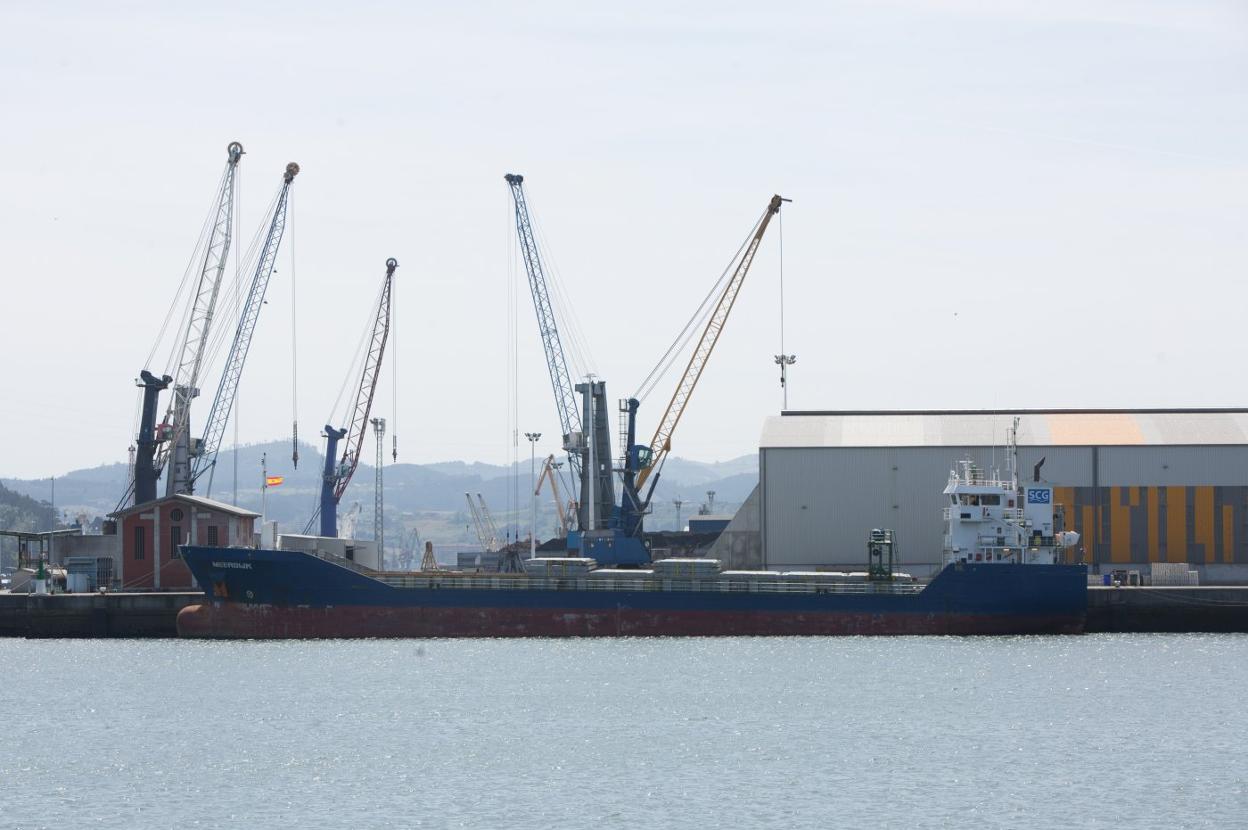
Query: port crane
[[643, 463], [407, 550], [153, 445], [609, 532], [548, 474], [487, 518], [337, 473], [227, 389], [176, 448], [487, 534], [617, 537], [566, 402], [408, 556], [656, 452], [170, 444]]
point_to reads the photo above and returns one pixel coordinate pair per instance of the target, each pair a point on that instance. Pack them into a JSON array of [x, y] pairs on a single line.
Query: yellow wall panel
[[1228, 533], [1119, 527], [1065, 496], [1204, 521], [1176, 524]]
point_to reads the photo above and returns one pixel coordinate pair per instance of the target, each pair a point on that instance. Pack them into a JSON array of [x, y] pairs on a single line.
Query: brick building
[[150, 535]]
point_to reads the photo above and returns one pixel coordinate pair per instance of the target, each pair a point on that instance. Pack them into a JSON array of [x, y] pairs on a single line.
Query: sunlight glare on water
[[1104, 731]]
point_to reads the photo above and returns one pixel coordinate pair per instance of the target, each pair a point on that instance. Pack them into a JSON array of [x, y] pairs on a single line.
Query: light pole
[[679, 503], [264, 489], [52, 536], [784, 361], [533, 436]]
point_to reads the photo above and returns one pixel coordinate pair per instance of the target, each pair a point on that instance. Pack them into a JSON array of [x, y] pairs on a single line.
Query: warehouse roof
[[1037, 427]]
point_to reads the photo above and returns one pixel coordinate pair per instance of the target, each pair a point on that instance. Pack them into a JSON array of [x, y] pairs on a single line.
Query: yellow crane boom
[[548, 472], [662, 441]]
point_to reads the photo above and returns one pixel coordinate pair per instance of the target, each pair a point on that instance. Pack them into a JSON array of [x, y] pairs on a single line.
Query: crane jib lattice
[[223, 403], [368, 385], [560, 379], [662, 441], [199, 320]]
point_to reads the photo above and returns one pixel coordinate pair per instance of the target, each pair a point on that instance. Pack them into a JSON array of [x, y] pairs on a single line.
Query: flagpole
[[264, 487]]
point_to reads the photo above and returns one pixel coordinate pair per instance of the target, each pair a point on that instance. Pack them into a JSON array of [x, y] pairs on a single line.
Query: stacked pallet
[[1173, 573], [686, 568], [559, 567]]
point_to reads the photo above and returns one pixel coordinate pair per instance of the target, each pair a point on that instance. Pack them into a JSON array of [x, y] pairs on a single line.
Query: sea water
[[1098, 731]]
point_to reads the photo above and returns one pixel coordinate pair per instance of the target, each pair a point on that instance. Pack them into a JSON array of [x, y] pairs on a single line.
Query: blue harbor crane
[[566, 402], [612, 533], [337, 474], [223, 404]]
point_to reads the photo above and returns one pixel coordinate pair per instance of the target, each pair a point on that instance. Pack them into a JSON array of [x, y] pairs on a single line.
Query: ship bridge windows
[[978, 499]]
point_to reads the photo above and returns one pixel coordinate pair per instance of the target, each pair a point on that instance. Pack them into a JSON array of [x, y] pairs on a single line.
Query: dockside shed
[[1140, 486]]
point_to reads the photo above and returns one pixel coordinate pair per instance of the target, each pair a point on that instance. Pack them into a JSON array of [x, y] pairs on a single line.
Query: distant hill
[[21, 512], [425, 496]]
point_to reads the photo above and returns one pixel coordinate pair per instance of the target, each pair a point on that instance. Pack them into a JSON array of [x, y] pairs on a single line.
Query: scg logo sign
[[1039, 495]]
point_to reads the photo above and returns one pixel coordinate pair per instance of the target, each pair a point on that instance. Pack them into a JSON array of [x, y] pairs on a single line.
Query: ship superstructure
[[992, 519]]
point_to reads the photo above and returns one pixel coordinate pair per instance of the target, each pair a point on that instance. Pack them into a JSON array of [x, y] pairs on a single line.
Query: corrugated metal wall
[[1154, 503]]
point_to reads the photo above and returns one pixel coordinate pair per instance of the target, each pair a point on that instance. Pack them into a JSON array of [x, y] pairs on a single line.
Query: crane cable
[[223, 333], [578, 352], [185, 281], [691, 326], [294, 338], [204, 231], [394, 376], [238, 267]]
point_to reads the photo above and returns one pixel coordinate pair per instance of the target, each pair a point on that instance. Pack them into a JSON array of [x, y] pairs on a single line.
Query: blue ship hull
[[275, 593]]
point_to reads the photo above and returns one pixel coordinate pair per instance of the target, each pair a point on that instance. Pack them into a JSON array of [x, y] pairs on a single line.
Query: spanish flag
[[273, 481]]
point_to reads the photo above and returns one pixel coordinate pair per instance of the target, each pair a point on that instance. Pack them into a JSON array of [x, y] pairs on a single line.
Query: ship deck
[[720, 584]]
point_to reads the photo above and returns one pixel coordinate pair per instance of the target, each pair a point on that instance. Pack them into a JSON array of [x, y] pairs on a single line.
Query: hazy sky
[[995, 204]]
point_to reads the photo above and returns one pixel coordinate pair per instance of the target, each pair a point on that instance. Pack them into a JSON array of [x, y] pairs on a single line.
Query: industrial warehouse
[[1140, 486]]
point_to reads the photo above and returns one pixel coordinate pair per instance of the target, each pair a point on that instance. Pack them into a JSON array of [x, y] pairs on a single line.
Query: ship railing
[[521, 582], [349, 564]]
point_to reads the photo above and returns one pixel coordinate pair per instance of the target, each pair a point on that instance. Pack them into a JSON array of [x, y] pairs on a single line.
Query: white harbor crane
[[175, 445], [154, 446], [488, 539], [487, 519]]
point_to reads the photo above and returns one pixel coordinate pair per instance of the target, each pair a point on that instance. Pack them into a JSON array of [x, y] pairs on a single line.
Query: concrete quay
[[1215, 609], [1188, 608], [145, 615]]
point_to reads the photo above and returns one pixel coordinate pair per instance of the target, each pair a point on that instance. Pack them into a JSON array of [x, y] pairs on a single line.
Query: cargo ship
[[1002, 573]]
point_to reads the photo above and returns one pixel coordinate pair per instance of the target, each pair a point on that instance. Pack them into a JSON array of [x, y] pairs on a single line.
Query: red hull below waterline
[[240, 620]]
